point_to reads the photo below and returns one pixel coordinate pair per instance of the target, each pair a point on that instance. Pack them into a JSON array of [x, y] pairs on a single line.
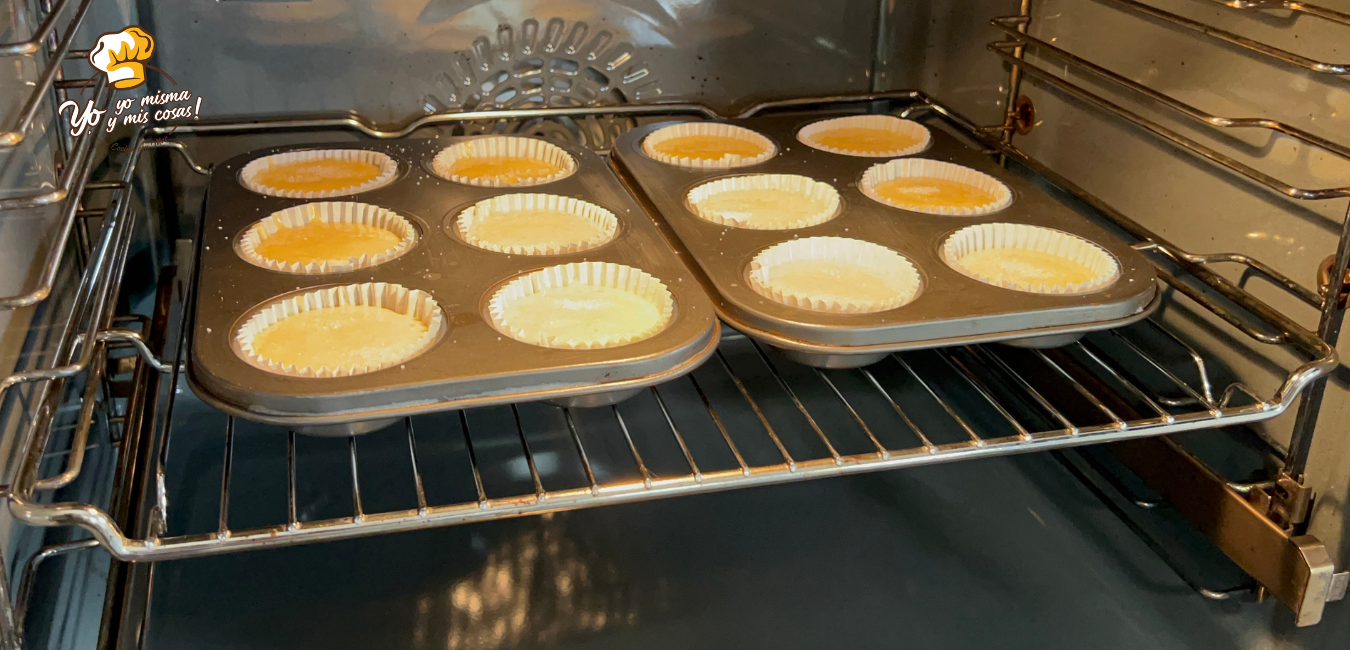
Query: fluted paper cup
[[329, 212], [1001, 196], [527, 291], [252, 175], [1012, 236], [911, 136], [898, 277], [473, 224], [765, 202], [560, 163], [759, 148], [417, 304]]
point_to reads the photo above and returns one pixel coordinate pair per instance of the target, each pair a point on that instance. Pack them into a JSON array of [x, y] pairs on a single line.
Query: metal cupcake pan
[[951, 309], [472, 364]]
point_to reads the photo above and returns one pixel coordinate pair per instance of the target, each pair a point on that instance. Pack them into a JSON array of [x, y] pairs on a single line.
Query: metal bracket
[[1324, 282], [1295, 569], [1022, 115]]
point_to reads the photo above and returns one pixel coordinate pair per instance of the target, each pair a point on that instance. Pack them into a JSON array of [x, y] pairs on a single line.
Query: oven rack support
[[76, 158], [1284, 500], [1093, 375]]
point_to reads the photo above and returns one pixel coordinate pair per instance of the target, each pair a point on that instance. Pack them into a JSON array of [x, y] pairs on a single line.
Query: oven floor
[[1000, 553]]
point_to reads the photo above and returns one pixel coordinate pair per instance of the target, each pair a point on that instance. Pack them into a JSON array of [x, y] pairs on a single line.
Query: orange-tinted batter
[[919, 192], [321, 175], [877, 142], [319, 241], [708, 147], [506, 170]]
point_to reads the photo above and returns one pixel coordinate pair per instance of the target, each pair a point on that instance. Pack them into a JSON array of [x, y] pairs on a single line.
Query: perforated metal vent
[[556, 65]]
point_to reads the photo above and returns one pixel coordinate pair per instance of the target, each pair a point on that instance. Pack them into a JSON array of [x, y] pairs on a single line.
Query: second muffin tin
[[951, 309], [472, 364]]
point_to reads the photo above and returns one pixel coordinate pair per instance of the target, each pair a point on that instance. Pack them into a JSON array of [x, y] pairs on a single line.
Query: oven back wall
[[392, 59]]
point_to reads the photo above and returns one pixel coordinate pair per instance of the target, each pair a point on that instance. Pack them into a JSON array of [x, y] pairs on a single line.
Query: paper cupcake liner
[[500, 146], [418, 304], [727, 161], [1047, 240], [873, 257], [807, 134], [497, 206], [925, 168], [606, 274], [388, 169], [799, 187], [334, 212]]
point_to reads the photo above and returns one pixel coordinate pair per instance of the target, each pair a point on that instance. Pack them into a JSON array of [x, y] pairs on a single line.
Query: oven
[[1175, 477]]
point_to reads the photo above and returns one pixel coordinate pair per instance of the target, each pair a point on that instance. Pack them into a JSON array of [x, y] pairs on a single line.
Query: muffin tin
[[951, 309], [472, 364]]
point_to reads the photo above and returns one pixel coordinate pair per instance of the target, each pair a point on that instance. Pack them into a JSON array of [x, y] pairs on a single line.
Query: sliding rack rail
[[1283, 501]]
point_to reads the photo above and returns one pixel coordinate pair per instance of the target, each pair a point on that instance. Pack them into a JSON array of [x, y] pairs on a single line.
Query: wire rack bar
[[15, 133], [1264, 49], [1005, 51]]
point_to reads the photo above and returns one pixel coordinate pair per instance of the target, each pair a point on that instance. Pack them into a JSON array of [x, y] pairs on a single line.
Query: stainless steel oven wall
[[1197, 205], [390, 59]]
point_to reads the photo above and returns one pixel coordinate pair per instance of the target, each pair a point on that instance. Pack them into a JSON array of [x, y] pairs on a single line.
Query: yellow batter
[[920, 192], [539, 229], [835, 281], [870, 141], [320, 241], [708, 147], [583, 316], [320, 175], [505, 170], [1026, 267], [341, 337], [765, 209]]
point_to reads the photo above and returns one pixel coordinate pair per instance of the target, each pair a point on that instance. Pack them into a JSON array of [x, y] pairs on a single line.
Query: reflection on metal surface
[[534, 589]]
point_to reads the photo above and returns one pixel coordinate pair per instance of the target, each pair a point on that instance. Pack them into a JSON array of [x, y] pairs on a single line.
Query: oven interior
[[1207, 134]]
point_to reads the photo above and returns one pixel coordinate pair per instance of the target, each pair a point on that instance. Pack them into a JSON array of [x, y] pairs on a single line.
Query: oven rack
[[1025, 402], [1013, 52]]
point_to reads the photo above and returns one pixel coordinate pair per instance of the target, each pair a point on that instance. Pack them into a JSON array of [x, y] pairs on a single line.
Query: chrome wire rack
[[745, 419]]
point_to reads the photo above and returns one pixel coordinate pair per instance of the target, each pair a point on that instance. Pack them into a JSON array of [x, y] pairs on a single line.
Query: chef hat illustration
[[117, 54]]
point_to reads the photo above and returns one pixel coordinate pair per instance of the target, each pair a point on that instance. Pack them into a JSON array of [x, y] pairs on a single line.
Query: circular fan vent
[[554, 66]]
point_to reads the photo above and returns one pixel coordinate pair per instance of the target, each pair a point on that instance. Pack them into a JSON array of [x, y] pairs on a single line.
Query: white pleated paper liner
[[473, 224], [815, 135], [387, 170], [500, 146], [925, 168], [336, 212], [764, 147], [765, 202], [998, 236], [504, 306], [832, 293], [418, 304]]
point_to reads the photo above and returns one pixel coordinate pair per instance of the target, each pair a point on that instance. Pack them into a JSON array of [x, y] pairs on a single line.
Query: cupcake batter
[[864, 140], [506, 170], [1026, 267], [319, 175], [534, 229], [582, 316], [708, 147], [921, 192], [835, 281], [341, 337], [320, 241], [766, 209]]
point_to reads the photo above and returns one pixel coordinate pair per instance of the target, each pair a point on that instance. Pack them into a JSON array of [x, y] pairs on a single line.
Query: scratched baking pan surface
[[472, 364], [950, 308]]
